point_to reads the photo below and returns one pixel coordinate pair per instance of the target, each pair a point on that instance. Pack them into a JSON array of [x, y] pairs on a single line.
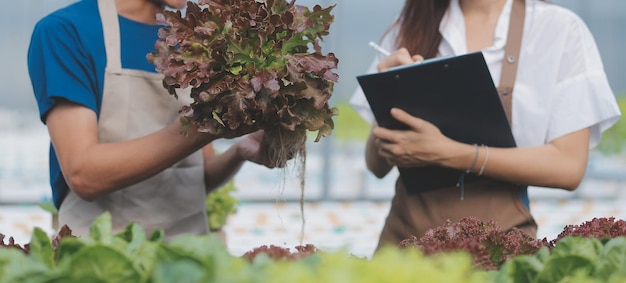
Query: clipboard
[[457, 94]]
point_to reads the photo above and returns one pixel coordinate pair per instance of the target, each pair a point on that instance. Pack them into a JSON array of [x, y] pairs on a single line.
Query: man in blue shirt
[[116, 140]]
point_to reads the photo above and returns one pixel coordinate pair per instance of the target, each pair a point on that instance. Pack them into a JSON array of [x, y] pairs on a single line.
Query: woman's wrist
[[461, 156]]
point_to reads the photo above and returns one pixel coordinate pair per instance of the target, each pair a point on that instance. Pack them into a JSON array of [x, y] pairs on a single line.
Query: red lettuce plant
[[488, 244], [251, 65], [600, 228], [11, 244], [64, 232], [279, 253]]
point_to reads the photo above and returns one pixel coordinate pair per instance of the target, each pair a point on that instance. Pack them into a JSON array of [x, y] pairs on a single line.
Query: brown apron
[[485, 199], [412, 214], [135, 104]]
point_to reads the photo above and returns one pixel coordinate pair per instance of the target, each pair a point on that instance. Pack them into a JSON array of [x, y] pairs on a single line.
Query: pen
[[379, 49]]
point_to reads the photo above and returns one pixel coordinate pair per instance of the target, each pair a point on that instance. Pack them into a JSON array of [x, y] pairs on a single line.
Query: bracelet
[[471, 168], [482, 168]]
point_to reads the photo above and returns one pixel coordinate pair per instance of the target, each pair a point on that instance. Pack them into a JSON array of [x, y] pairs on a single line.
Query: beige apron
[[135, 104], [413, 213]]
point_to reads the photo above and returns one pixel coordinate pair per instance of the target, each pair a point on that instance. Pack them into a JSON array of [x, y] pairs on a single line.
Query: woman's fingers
[[416, 124], [384, 135], [417, 58], [397, 58], [406, 148]]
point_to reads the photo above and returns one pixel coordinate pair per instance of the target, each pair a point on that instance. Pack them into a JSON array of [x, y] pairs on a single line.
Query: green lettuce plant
[[220, 204], [135, 256]]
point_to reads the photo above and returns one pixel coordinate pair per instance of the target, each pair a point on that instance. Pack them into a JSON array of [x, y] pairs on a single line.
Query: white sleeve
[[358, 101], [583, 97]]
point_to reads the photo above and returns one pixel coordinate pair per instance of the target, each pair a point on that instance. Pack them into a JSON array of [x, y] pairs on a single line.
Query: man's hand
[[252, 148]]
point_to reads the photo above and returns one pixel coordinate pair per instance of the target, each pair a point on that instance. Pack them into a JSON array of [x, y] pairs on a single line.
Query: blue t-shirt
[[66, 60]]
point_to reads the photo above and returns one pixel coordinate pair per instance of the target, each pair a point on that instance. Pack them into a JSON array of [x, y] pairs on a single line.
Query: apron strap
[[111, 30], [511, 56]]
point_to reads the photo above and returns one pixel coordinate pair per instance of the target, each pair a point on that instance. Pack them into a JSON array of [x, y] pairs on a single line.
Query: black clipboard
[[457, 94]]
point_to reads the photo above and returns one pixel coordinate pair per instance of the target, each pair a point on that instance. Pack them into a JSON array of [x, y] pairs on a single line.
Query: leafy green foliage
[[41, 247], [16, 266], [220, 204], [349, 126], [49, 207], [131, 256], [612, 259], [251, 65], [573, 259], [103, 263]]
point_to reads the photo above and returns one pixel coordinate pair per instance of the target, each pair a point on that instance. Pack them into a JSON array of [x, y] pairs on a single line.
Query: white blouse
[[561, 86]]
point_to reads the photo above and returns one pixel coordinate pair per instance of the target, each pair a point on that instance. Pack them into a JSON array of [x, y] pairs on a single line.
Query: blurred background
[[345, 205]]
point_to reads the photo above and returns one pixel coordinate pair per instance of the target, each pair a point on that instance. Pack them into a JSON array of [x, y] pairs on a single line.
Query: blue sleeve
[[60, 67]]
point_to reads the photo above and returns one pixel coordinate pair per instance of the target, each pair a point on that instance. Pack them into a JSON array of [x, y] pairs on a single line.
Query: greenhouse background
[[345, 204]]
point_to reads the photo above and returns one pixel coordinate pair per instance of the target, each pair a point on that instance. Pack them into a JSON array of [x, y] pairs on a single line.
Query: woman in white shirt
[[562, 103]]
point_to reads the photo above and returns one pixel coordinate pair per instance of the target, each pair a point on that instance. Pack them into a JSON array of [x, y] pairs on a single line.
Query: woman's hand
[[423, 144], [397, 58]]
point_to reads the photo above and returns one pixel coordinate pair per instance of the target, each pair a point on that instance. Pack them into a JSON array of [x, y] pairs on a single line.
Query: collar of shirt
[[452, 29]]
